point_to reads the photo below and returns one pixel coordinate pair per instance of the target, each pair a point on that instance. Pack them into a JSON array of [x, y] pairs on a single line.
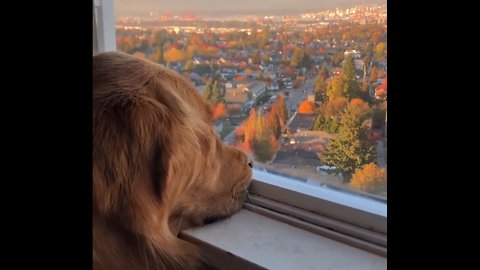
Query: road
[[297, 95]]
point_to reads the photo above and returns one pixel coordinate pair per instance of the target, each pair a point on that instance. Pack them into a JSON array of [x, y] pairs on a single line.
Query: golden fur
[[158, 166]]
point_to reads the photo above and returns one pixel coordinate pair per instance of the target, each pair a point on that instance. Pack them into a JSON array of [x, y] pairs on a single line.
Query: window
[[300, 95]]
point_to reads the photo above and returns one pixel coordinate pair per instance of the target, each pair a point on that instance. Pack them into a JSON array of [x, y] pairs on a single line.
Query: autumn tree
[[265, 144], [272, 121], [266, 57], [282, 110], [370, 178], [348, 150], [249, 131], [259, 74], [381, 51], [174, 55], [360, 108], [220, 111], [373, 75], [306, 107]]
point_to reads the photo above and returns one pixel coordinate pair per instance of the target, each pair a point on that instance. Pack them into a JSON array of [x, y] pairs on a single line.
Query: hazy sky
[[230, 7]]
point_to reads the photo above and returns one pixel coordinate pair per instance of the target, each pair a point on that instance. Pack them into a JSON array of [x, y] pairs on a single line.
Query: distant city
[[305, 94]]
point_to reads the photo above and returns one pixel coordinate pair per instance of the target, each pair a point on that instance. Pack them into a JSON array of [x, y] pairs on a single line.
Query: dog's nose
[[250, 164]]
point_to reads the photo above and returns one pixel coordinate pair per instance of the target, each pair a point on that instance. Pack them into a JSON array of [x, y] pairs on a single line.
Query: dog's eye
[[250, 164]]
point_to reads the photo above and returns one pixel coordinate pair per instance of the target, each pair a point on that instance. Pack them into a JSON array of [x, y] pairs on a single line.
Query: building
[[301, 122], [238, 101], [257, 90]]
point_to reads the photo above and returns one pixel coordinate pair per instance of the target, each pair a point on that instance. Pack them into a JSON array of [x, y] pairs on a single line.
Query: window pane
[[305, 94]]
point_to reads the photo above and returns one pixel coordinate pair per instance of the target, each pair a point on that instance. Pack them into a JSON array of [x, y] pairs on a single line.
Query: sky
[[231, 7]]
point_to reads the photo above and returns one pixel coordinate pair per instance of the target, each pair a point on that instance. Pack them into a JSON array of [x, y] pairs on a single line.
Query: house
[[301, 122], [238, 101], [257, 89], [273, 86], [302, 148], [228, 73], [359, 65], [230, 85], [355, 54]]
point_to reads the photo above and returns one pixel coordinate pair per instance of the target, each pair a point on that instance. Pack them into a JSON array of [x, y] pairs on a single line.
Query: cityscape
[[304, 94]]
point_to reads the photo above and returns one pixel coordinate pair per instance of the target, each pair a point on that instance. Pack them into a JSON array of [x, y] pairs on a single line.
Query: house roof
[[236, 96], [302, 121]]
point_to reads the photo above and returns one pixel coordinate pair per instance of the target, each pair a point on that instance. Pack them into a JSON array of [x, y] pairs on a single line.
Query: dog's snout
[[250, 164]]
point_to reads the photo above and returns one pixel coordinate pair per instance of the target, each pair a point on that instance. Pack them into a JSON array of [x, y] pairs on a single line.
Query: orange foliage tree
[[220, 111], [272, 121], [174, 55], [306, 107], [370, 178], [360, 108]]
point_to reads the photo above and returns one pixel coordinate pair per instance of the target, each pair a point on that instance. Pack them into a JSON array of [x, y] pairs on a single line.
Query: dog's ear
[[130, 151]]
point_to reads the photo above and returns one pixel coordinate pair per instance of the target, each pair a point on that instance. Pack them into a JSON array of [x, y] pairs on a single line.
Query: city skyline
[[221, 7]]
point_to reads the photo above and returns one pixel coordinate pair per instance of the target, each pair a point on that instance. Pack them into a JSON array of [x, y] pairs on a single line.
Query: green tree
[[347, 151], [216, 96], [330, 115], [350, 88], [161, 37], [189, 65], [300, 59], [337, 58], [320, 89], [348, 69], [324, 73], [207, 93], [336, 88]]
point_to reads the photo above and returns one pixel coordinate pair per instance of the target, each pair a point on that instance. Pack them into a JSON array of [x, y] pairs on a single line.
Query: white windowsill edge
[[248, 240]]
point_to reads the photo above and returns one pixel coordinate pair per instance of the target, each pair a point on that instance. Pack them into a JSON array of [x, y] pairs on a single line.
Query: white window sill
[[248, 240]]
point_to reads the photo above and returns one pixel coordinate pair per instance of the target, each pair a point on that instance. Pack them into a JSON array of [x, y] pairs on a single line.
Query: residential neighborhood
[[304, 95]]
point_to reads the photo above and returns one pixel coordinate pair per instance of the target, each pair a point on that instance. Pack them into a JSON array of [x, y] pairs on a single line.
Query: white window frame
[[352, 218], [103, 26], [355, 219]]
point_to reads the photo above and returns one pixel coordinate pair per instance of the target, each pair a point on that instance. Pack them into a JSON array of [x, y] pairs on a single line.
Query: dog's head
[[158, 164]]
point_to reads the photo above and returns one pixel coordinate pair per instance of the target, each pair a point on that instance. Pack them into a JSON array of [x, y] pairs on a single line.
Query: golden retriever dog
[[158, 166]]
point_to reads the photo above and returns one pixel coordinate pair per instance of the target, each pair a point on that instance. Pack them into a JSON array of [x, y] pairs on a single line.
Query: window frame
[[355, 219], [103, 26]]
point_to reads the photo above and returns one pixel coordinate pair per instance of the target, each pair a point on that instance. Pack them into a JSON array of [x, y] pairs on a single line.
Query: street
[[297, 95]]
